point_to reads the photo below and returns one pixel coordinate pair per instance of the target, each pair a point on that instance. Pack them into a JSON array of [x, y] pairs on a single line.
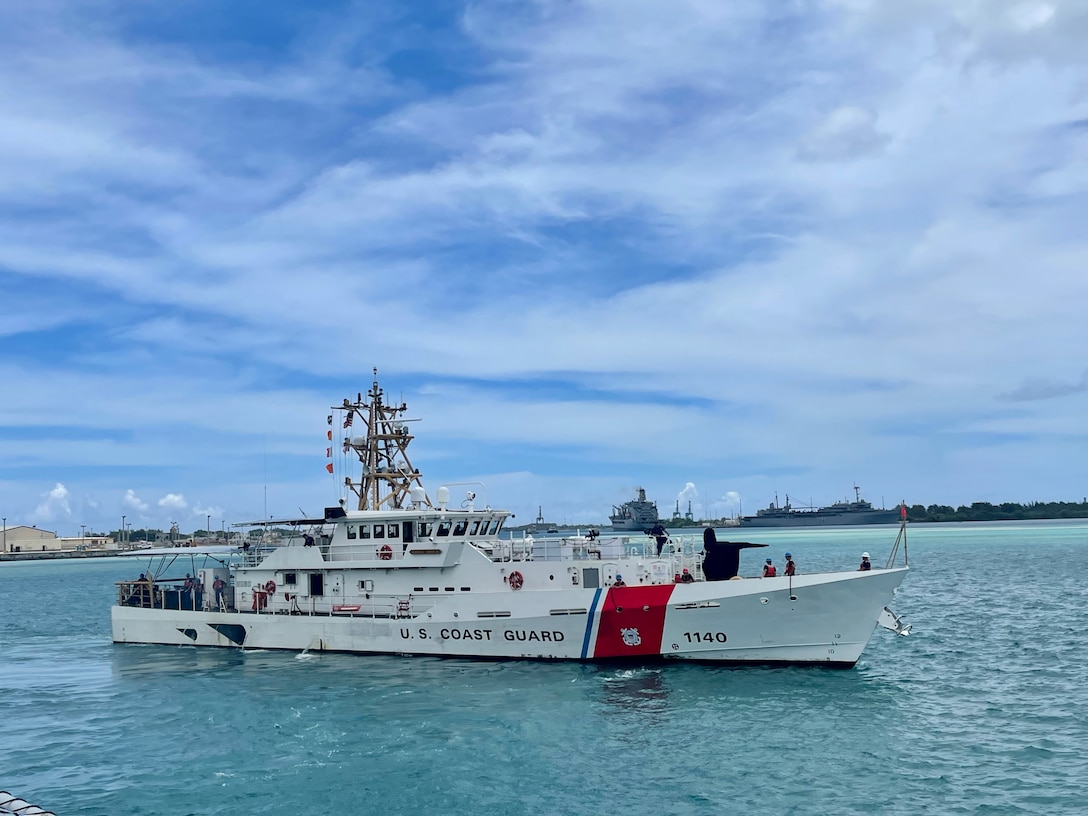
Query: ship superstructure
[[637, 514]]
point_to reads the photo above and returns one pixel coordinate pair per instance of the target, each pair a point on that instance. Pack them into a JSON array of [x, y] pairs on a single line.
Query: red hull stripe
[[632, 621]]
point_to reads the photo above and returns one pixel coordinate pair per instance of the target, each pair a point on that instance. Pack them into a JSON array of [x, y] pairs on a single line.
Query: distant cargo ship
[[637, 514], [858, 511]]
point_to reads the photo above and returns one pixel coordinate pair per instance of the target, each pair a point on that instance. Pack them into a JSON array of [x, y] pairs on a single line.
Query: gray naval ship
[[858, 511], [637, 514]]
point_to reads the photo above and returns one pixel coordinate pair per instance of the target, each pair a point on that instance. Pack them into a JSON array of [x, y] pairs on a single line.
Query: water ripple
[[978, 712]]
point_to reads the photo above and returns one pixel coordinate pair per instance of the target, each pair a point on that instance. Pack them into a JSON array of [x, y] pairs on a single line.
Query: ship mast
[[387, 474]]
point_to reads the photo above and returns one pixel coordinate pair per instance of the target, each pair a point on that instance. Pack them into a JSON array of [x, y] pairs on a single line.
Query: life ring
[[270, 588], [385, 553], [517, 580]]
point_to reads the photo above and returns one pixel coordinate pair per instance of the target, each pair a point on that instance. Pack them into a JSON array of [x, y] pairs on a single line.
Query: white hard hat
[[865, 555]]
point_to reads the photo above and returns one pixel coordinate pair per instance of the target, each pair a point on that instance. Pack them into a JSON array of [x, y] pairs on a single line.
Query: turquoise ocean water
[[981, 710]]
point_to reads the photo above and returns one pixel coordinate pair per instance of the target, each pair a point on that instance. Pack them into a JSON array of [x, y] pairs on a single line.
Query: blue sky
[[717, 250]]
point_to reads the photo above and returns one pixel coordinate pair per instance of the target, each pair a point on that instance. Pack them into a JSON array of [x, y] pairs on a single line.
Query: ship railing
[[253, 556], [515, 549], [159, 593], [583, 548], [692, 563], [370, 550]]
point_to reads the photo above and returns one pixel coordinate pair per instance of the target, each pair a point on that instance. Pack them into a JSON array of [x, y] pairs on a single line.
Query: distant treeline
[[1006, 511]]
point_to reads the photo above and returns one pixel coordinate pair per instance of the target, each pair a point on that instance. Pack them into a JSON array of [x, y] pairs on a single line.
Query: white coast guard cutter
[[400, 574]]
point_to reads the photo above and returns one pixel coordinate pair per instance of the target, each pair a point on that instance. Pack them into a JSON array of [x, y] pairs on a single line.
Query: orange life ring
[[517, 580], [385, 553], [270, 588]]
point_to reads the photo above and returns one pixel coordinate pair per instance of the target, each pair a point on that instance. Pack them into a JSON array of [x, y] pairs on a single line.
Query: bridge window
[[459, 530], [394, 530], [475, 527], [364, 531], [351, 531], [425, 528], [379, 531], [444, 528]]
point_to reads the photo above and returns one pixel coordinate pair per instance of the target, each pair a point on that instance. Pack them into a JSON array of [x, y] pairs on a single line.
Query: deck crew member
[[219, 585], [141, 593], [686, 577], [661, 535], [865, 565], [791, 568], [768, 569], [618, 581]]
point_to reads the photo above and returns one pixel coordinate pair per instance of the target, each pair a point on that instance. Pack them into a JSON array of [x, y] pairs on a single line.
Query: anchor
[[893, 622]]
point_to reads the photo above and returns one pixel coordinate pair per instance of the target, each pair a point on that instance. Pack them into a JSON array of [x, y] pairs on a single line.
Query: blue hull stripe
[[589, 623]]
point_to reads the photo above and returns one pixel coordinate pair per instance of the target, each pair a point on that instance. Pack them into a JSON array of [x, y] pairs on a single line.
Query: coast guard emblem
[[631, 637]]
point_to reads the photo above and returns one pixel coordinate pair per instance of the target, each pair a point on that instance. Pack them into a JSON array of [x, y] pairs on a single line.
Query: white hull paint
[[748, 621]]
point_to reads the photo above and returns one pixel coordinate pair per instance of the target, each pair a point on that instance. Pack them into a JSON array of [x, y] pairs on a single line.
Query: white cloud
[[215, 512], [134, 502], [688, 494], [846, 133], [54, 505], [173, 501]]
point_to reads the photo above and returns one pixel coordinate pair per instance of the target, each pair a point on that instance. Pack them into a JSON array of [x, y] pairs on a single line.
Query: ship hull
[[802, 519], [819, 619], [630, 525]]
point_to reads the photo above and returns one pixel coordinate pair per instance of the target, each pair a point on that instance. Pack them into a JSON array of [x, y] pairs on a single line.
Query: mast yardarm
[[387, 474]]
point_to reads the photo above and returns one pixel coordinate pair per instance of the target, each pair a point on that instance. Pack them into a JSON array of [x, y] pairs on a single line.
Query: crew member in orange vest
[[768, 569]]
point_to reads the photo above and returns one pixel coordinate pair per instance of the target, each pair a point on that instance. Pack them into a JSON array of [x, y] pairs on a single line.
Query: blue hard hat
[[770, 561], [619, 577], [788, 555]]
